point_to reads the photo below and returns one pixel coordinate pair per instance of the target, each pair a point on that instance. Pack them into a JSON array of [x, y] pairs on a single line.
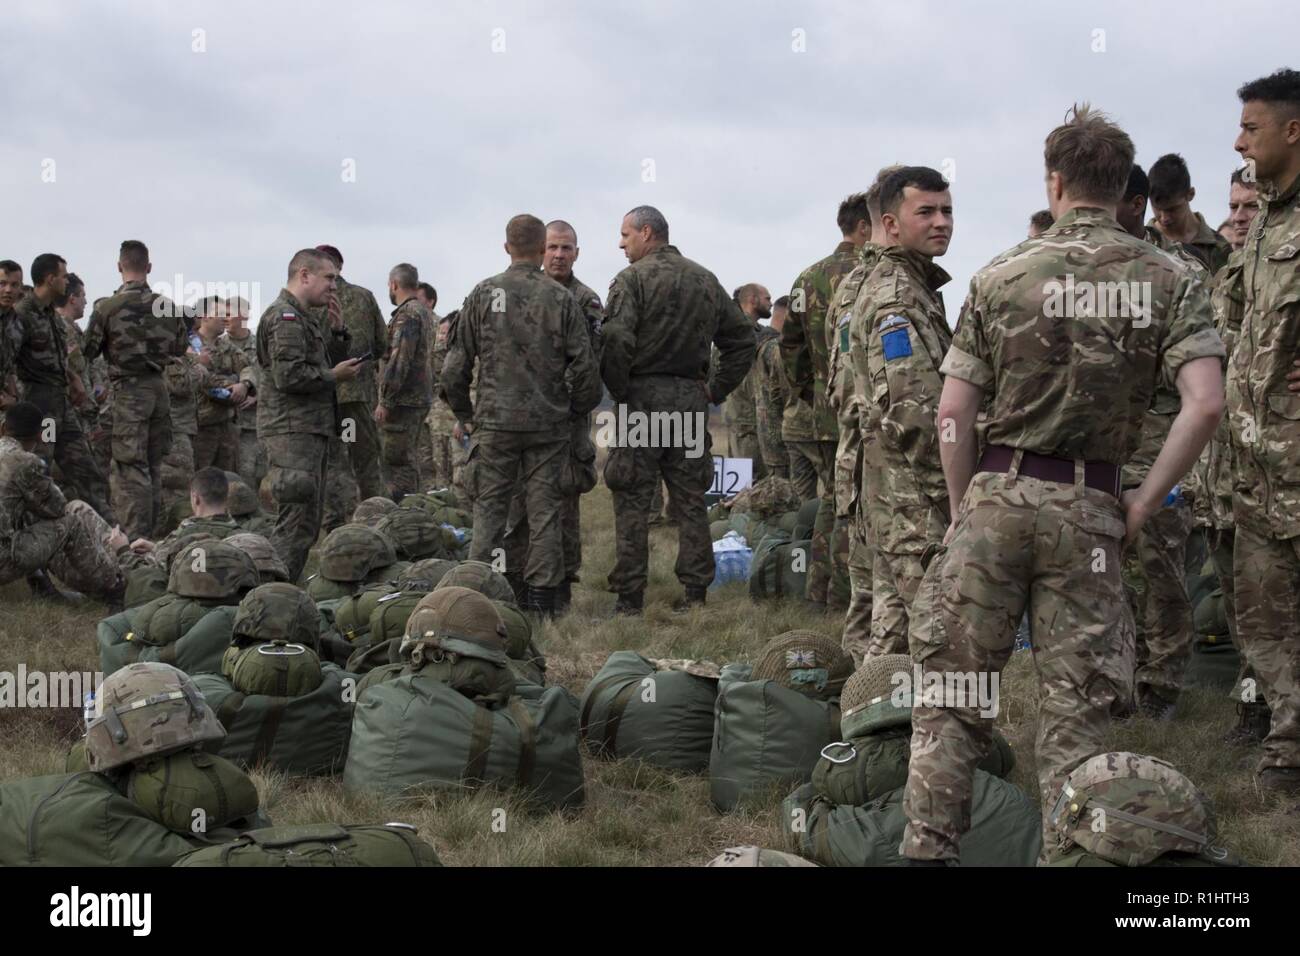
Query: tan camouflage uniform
[[770, 393], [1050, 547], [252, 454], [426, 439], [217, 443], [406, 393]]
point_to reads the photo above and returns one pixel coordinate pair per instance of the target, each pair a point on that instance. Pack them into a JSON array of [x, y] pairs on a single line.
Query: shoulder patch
[[897, 344], [891, 321], [291, 316]]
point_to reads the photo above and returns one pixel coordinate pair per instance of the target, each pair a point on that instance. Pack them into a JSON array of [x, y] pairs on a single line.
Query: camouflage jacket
[[137, 330], [248, 345], [591, 309], [38, 347], [406, 372], [1227, 302], [27, 493], [297, 358], [1209, 248], [663, 315], [804, 345], [186, 380], [79, 367], [1264, 415], [1060, 378], [898, 336], [227, 367], [219, 526], [365, 325], [770, 393], [741, 405], [535, 364], [6, 360], [441, 418]]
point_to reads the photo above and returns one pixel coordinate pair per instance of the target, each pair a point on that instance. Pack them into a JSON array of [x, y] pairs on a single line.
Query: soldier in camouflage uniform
[[807, 367], [898, 337], [40, 529], [1264, 420], [209, 492], [138, 331], [405, 393], [185, 379], [217, 442], [449, 445], [355, 453], [11, 289], [771, 389], [1174, 222], [662, 314], [252, 456], [71, 307], [536, 371], [297, 411], [741, 406], [38, 351], [1040, 525], [427, 441], [557, 262]]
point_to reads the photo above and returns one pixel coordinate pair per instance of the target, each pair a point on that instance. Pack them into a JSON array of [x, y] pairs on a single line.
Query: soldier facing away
[[536, 371], [1066, 390], [740, 408], [663, 314], [297, 412], [405, 393], [252, 456]]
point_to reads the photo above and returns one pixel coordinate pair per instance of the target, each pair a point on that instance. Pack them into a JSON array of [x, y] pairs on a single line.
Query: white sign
[[731, 476]]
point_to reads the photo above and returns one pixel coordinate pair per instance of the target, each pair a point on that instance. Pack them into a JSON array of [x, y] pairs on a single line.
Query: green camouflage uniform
[[252, 455], [663, 313], [898, 337], [1209, 248], [355, 453], [805, 350], [1060, 387], [38, 352], [426, 439], [138, 331], [448, 453], [770, 393], [40, 529], [406, 393], [535, 371], [1264, 419], [217, 442], [741, 414], [297, 415], [88, 414]]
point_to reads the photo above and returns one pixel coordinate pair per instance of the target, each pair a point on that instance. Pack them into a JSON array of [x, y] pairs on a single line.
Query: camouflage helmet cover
[[805, 661], [214, 570], [147, 709], [372, 510], [757, 856], [353, 551], [270, 566], [872, 701], [458, 620], [277, 612]]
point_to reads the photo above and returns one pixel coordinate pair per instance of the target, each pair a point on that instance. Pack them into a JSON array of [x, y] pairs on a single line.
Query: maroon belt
[[1098, 475]]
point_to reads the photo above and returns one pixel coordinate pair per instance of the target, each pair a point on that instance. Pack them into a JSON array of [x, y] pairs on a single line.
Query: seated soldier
[[40, 529], [209, 495]]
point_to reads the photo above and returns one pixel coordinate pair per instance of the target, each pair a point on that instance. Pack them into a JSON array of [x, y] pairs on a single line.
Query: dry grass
[[635, 815]]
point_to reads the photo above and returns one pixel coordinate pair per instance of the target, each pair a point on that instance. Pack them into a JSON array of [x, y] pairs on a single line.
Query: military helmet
[[214, 570], [370, 511], [272, 668], [353, 551], [147, 709], [876, 696], [242, 500], [277, 612], [457, 620], [806, 661], [427, 573], [416, 534], [757, 856], [479, 576], [270, 566], [1129, 809]]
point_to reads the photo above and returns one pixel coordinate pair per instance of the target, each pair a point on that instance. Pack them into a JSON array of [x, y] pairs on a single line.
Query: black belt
[[1098, 475]]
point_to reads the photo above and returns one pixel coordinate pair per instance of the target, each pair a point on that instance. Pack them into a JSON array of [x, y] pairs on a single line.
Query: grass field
[[636, 815]]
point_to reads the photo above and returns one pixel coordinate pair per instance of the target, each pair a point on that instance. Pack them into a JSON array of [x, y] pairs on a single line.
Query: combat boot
[[1280, 780], [1151, 703], [563, 597], [1253, 721], [518, 585], [630, 604], [539, 601], [43, 588], [694, 596]]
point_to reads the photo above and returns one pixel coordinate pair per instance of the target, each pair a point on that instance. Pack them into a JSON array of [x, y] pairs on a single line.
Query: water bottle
[[220, 393], [88, 708], [1174, 497], [196, 343]]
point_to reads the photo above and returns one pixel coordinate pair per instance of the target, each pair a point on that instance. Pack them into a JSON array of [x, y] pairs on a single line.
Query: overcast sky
[[227, 135]]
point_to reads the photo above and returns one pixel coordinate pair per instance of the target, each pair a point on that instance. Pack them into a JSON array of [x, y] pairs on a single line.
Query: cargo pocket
[[292, 485], [927, 630], [578, 472], [469, 471], [621, 469], [1283, 450]]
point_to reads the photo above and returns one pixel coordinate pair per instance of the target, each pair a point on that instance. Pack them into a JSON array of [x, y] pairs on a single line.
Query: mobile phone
[[365, 358]]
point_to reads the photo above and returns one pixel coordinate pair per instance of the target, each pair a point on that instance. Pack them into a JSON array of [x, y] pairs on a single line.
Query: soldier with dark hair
[[217, 441], [1174, 221], [405, 393], [11, 289], [772, 390], [1040, 222], [741, 408]]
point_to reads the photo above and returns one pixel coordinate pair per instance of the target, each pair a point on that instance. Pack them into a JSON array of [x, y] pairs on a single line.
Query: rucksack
[[526, 660], [414, 733], [320, 844], [144, 584], [273, 668], [191, 791], [197, 651], [636, 707], [780, 567]]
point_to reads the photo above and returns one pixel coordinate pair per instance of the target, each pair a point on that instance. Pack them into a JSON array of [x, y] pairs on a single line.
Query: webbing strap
[[229, 709], [270, 727], [527, 741], [209, 770], [615, 717], [593, 694], [480, 741], [1198, 838]]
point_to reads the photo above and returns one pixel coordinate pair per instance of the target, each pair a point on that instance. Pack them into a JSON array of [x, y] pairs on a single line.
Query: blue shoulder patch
[[897, 344]]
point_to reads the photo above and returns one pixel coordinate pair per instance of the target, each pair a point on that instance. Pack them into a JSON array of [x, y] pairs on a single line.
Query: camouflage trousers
[[69, 449], [776, 457], [74, 548], [354, 464], [1155, 578], [1018, 543], [743, 442], [825, 552], [1222, 547], [252, 458], [297, 479], [857, 619], [803, 472], [517, 531], [177, 470], [217, 446], [1266, 573], [498, 462], [400, 435], [633, 475], [142, 437]]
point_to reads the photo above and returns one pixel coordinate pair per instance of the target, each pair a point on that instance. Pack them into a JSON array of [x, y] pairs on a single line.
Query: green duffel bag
[[742, 524], [765, 737], [1210, 616], [84, 819], [1210, 856], [859, 770], [780, 568], [636, 707], [191, 791], [526, 660], [305, 735], [415, 733], [276, 668], [379, 674], [352, 614], [366, 659], [417, 534], [388, 619], [1006, 829], [197, 651], [166, 619], [805, 518], [321, 589], [144, 584], [320, 844], [332, 646]]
